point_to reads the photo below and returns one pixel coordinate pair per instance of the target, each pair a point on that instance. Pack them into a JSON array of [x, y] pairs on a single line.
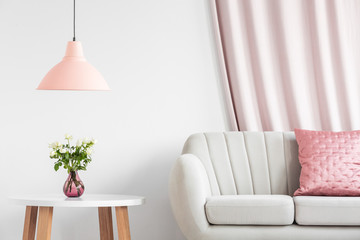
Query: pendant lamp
[[73, 72]]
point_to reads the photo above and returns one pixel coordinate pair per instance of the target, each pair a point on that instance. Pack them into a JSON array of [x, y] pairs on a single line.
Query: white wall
[[158, 58]]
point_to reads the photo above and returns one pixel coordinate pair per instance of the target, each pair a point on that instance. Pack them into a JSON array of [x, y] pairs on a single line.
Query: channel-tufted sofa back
[[248, 162]]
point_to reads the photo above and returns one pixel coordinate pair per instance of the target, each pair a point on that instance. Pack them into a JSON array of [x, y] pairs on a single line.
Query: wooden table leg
[[30, 223], [105, 223], [44, 224], [122, 219]]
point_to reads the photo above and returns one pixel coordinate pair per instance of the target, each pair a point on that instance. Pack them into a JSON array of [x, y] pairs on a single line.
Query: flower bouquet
[[73, 159]]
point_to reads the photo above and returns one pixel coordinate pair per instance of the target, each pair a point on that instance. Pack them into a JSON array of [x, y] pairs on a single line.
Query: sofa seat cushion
[[250, 210], [326, 210]]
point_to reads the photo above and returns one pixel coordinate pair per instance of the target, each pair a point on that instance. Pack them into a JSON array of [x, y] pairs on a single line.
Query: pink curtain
[[290, 64]]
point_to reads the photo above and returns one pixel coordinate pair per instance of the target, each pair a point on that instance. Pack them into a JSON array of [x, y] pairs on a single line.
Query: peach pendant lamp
[[73, 72]]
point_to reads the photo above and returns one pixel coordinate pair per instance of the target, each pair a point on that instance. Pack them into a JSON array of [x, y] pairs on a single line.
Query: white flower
[[55, 145], [63, 150], [79, 142], [86, 141], [89, 151], [68, 137], [52, 153], [93, 141]]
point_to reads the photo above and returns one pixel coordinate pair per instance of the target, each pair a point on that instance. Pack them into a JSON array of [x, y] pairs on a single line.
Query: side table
[[44, 204]]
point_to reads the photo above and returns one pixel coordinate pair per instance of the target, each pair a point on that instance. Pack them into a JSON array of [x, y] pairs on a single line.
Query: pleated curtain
[[289, 64]]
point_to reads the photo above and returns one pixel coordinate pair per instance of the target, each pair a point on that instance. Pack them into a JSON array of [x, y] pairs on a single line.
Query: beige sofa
[[239, 186]]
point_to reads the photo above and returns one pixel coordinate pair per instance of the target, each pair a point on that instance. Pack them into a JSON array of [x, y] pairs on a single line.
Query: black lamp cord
[[74, 38]]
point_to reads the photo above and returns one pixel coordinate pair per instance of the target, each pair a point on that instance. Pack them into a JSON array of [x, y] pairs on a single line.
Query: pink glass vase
[[73, 186]]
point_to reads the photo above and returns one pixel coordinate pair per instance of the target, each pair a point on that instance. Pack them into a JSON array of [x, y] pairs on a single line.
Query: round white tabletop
[[87, 200]]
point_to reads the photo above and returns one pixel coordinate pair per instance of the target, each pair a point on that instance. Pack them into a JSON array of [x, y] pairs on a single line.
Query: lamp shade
[[73, 73]]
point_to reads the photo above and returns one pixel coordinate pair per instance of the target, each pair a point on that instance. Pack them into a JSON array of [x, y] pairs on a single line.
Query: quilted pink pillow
[[330, 163]]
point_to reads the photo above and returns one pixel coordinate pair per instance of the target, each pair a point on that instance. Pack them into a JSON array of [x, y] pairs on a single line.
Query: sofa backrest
[[248, 162]]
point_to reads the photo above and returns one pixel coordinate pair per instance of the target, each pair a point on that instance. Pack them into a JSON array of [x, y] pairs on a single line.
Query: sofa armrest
[[188, 188]]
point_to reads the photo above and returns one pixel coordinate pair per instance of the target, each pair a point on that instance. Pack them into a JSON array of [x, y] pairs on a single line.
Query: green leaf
[[56, 166]]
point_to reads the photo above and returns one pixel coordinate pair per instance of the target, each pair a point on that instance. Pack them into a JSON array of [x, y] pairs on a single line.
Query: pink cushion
[[330, 163]]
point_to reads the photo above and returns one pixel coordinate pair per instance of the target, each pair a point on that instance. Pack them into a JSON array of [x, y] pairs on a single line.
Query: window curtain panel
[[289, 64]]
